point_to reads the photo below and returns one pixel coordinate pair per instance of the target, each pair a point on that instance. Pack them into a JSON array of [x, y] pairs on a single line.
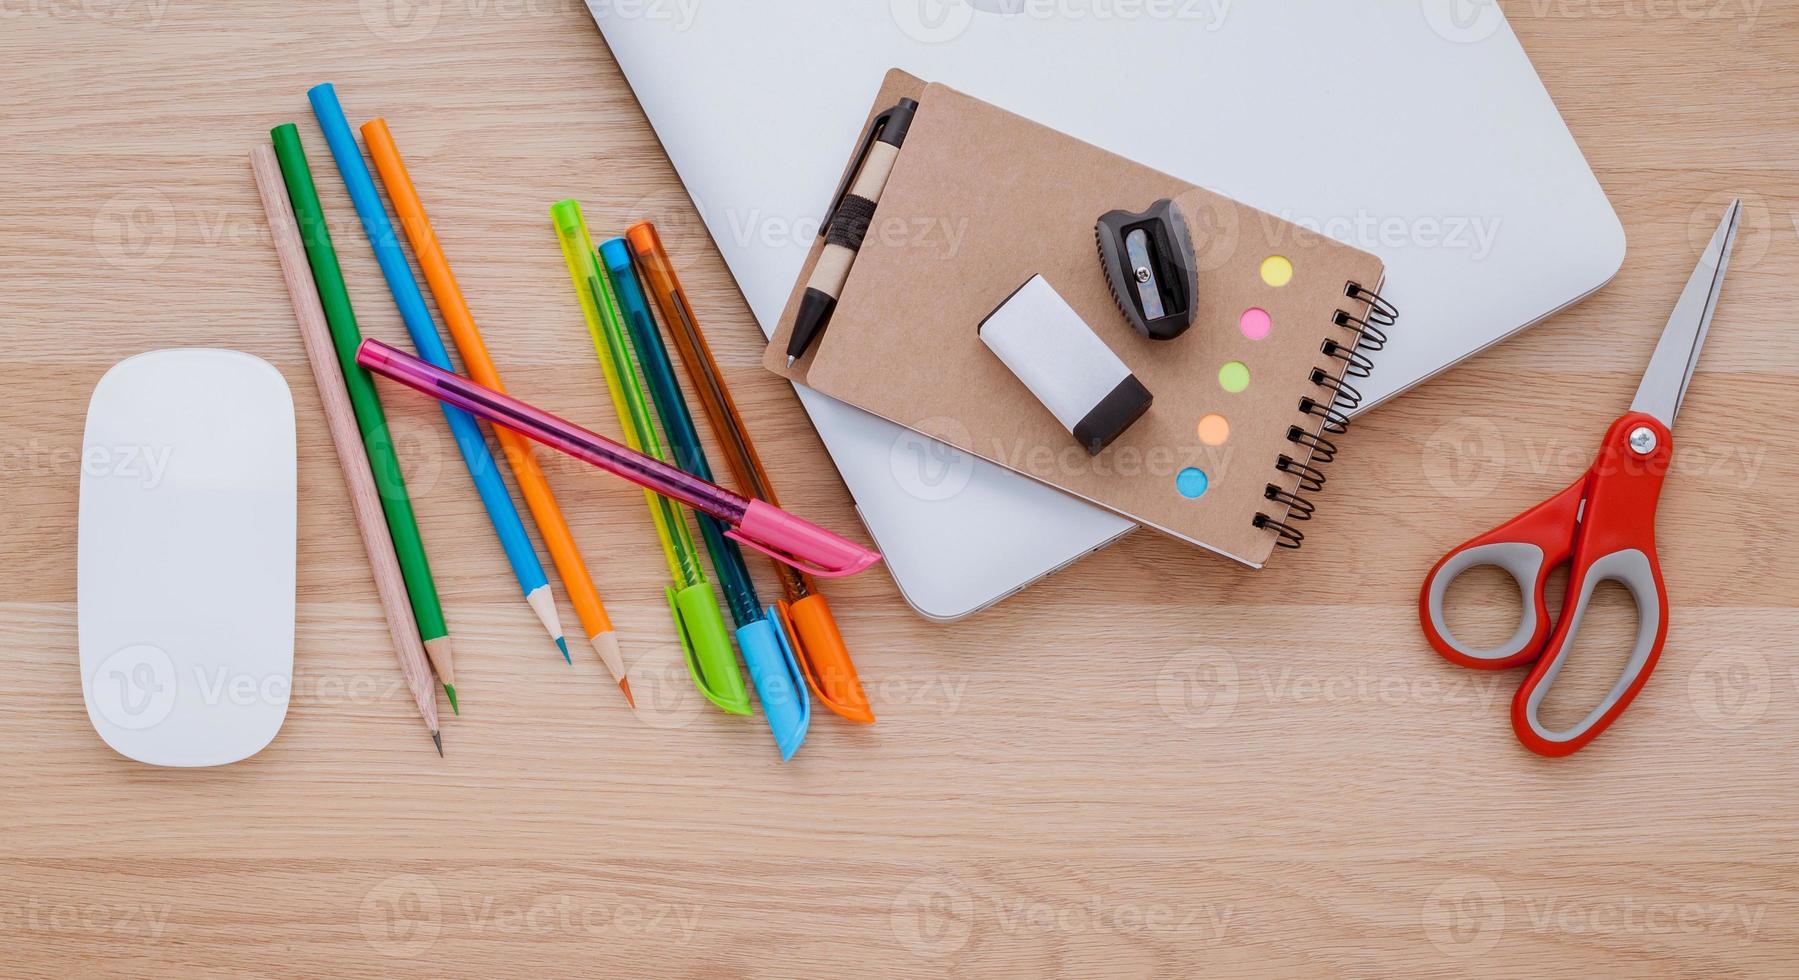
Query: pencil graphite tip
[[625, 686], [437, 739], [562, 644], [450, 689]]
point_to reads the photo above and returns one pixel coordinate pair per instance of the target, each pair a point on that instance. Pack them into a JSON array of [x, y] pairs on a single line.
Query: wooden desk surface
[[1155, 763]]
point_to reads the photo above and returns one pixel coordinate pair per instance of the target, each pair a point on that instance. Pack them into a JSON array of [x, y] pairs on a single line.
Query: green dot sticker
[[1233, 377]]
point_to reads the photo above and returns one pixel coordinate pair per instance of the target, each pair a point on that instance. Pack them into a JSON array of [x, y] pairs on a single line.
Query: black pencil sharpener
[[1149, 263]]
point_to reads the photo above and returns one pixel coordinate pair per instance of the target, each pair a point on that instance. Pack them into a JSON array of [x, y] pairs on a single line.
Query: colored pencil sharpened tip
[[437, 739], [606, 645], [450, 690], [562, 644]]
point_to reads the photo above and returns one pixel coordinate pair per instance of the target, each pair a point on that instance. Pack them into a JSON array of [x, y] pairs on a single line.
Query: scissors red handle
[[1604, 526]]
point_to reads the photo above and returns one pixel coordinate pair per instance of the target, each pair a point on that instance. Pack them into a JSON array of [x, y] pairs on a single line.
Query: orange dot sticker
[[1214, 430], [1277, 270]]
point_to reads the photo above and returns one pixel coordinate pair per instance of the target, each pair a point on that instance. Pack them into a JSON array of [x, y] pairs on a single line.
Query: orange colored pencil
[[531, 481]]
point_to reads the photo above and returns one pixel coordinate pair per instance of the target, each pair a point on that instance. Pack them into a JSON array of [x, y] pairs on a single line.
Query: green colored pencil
[[409, 547]]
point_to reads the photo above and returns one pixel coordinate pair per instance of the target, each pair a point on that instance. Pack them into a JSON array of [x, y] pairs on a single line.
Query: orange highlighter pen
[[804, 613]]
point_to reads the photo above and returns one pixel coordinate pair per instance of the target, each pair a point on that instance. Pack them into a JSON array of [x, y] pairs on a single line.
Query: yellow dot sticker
[[1233, 377], [1214, 430], [1277, 271]]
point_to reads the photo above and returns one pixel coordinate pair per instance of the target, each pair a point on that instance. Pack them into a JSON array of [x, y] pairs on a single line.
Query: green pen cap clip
[[707, 644]]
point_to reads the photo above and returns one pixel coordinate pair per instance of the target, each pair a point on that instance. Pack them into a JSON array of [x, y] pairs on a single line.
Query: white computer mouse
[[185, 585]]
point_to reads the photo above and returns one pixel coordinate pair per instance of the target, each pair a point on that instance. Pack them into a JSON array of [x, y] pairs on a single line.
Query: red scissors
[[1603, 526]]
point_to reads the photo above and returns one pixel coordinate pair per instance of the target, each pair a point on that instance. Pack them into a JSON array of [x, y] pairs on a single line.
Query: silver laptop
[[1416, 130]]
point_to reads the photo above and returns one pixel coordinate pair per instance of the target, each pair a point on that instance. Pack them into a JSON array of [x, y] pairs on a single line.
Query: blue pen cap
[[776, 673]]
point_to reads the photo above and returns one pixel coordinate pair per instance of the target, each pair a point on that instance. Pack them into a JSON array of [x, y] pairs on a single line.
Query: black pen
[[852, 208]]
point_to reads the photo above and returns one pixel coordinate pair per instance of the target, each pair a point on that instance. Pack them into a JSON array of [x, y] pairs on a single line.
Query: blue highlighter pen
[[774, 668]]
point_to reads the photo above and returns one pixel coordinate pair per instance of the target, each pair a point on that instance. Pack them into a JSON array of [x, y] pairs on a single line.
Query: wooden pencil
[[364, 500], [346, 336]]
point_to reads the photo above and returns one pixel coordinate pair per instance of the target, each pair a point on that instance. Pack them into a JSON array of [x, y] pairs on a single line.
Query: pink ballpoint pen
[[756, 523]]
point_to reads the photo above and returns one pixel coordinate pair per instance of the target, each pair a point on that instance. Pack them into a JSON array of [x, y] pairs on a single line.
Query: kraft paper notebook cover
[[979, 201]]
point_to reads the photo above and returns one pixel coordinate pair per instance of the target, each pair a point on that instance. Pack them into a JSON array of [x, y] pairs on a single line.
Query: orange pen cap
[[824, 658]]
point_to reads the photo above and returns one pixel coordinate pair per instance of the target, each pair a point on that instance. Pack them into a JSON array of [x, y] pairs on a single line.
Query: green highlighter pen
[[774, 669], [698, 621]]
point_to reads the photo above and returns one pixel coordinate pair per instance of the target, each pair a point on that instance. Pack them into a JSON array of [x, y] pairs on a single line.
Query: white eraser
[[1060, 359]]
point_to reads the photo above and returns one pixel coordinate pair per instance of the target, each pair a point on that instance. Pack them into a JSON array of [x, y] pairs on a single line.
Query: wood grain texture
[[1155, 763]]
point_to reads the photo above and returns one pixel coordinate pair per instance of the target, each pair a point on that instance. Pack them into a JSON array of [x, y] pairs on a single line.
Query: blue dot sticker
[[1192, 483]]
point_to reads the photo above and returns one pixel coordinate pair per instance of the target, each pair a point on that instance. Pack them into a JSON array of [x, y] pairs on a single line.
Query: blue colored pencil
[[467, 432]]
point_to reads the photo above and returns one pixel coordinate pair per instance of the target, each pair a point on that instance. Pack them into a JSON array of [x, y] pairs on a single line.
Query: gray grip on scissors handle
[[1523, 561], [1632, 569]]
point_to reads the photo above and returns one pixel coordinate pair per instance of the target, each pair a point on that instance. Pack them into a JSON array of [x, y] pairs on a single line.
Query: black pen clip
[[876, 127]]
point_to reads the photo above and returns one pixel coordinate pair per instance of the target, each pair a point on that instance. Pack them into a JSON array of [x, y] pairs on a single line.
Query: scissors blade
[[1677, 353]]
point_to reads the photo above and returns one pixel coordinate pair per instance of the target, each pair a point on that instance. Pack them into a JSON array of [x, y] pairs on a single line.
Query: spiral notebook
[[1249, 402]]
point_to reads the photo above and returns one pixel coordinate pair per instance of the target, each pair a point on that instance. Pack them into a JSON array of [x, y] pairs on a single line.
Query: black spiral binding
[[1366, 335]]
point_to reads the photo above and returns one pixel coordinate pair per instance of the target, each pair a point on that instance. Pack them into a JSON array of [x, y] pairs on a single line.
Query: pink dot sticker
[[1255, 323]]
